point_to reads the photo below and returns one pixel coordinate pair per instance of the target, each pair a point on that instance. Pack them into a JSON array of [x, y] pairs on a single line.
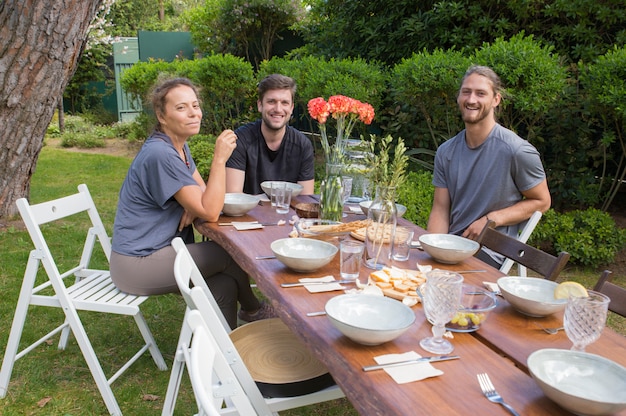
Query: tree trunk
[[40, 43]]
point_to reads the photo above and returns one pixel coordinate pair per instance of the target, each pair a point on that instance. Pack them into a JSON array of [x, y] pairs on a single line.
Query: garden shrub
[[201, 148], [81, 132], [228, 91], [318, 77], [605, 84], [226, 84], [533, 78], [424, 89], [81, 140], [417, 195], [590, 236]]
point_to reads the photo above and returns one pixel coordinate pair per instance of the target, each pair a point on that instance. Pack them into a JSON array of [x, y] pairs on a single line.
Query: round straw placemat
[[279, 363]]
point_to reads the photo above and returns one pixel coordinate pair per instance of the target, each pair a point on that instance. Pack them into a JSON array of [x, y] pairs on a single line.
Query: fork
[[490, 392], [551, 331]]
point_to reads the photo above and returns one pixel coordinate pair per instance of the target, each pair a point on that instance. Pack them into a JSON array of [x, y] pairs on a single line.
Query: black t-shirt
[[292, 162]]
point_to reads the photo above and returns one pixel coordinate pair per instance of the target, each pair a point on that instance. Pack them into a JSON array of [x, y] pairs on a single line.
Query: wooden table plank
[[500, 348]]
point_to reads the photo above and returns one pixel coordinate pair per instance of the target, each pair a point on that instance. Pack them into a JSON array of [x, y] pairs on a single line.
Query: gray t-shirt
[[487, 178], [292, 162], [147, 214]]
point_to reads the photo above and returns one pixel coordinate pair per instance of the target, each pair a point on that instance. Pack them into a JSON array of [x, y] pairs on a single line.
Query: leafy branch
[[383, 170]]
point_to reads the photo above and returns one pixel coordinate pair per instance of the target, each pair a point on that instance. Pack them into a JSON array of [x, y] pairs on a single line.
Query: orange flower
[[319, 109], [366, 113], [340, 105], [346, 111]]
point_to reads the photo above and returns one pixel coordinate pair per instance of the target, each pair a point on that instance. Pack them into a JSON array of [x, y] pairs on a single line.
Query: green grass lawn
[[52, 382]]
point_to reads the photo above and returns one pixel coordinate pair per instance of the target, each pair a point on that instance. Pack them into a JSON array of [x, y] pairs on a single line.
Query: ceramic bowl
[[476, 304], [369, 319], [295, 188], [448, 248], [531, 296], [303, 254], [237, 204], [583, 383], [400, 209]]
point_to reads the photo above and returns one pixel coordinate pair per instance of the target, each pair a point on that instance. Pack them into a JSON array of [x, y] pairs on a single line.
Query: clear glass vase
[[331, 193], [381, 229]]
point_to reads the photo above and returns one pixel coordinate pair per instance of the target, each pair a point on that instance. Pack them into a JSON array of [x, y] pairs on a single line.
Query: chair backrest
[[535, 259], [524, 235], [45, 212], [613, 291], [238, 385], [188, 275], [201, 360]]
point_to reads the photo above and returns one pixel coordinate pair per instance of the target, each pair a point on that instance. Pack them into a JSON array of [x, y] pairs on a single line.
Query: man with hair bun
[[486, 172]]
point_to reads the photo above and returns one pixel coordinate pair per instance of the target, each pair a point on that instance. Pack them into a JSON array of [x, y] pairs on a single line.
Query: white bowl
[[400, 209], [369, 319], [236, 205], [295, 188], [583, 383], [531, 296], [303, 254], [448, 248]]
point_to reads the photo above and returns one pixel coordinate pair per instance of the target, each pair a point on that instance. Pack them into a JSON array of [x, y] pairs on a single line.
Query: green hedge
[[227, 86], [590, 236], [577, 126]]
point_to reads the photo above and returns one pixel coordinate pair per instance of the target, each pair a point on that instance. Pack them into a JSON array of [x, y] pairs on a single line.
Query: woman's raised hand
[[224, 146]]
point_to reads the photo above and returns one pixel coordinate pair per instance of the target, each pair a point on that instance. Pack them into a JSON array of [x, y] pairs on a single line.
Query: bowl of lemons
[[537, 297]]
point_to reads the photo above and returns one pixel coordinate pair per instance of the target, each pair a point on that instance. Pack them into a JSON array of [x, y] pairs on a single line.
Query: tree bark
[[40, 43]]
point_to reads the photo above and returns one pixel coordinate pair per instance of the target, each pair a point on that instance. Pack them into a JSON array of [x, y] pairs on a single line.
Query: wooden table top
[[500, 348]]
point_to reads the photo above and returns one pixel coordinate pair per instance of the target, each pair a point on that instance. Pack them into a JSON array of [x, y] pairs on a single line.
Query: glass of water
[[350, 255]]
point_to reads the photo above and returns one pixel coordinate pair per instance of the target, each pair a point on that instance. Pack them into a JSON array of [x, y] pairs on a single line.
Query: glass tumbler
[[585, 318]]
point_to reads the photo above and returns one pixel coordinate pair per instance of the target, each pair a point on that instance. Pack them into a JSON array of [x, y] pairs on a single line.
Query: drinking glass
[[402, 245], [350, 255], [276, 188], [283, 200], [584, 318], [346, 183], [441, 295]]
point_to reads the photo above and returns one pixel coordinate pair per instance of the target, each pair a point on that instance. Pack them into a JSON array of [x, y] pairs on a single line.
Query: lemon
[[566, 289]]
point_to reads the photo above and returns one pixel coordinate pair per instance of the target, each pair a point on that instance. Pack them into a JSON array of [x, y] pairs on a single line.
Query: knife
[[416, 360], [315, 283]]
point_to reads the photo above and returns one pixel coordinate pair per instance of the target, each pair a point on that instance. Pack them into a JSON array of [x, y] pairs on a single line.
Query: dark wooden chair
[[533, 258], [613, 291]]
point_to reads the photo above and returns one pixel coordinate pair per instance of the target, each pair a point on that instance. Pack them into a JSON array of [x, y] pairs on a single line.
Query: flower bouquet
[[346, 111]]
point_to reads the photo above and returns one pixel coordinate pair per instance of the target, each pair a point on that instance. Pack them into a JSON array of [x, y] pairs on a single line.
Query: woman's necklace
[[185, 158]]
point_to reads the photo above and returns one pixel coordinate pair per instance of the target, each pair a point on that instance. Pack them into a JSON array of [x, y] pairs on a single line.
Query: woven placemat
[[273, 354]]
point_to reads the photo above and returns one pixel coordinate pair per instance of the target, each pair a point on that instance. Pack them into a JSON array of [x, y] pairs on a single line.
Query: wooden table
[[499, 348]]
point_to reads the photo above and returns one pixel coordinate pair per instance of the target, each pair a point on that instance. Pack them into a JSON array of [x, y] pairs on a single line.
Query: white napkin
[[355, 209], [321, 288], [424, 268], [242, 226], [409, 372], [492, 287], [263, 197]]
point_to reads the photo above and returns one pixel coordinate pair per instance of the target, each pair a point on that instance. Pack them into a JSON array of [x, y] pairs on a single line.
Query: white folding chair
[[79, 288], [239, 392], [523, 236], [201, 360]]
